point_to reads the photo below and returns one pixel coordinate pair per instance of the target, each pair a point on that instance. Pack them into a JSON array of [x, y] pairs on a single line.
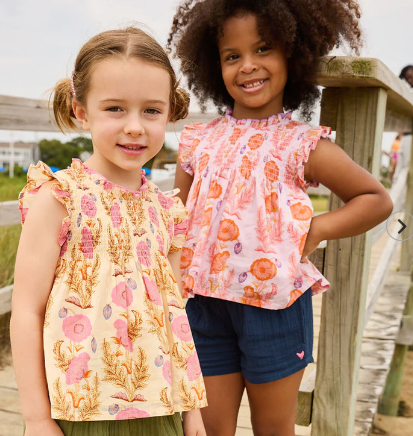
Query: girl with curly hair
[[244, 178]]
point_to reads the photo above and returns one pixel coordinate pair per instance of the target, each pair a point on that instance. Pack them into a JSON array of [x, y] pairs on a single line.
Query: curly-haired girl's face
[[254, 72]]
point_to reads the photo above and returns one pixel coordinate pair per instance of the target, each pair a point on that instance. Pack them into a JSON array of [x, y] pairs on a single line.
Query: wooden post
[[360, 120], [389, 402], [406, 259]]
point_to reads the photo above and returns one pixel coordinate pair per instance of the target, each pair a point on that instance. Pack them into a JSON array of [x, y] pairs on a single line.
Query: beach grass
[[9, 240], [320, 203], [10, 188]]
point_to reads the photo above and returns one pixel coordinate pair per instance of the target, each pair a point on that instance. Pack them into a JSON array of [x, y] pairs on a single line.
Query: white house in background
[[24, 154]]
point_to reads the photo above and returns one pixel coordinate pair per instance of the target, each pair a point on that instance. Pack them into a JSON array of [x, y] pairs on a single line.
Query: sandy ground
[[399, 425]]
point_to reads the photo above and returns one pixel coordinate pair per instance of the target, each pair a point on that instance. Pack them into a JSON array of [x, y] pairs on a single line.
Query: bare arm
[[367, 203], [36, 261], [183, 181]]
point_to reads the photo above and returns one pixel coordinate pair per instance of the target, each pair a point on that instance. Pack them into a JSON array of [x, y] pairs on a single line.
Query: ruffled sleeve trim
[[308, 143], [187, 144], [37, 176], [180, 221]]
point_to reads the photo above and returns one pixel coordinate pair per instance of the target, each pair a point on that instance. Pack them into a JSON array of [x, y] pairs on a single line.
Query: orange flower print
[[296, 293], [215, 190], [195, 144], [302, 244], [300, 212], [219, 261], [271, 171], [263, 269], [228, 231], [203, 162], [189, 283], [271, 204], [245, 169], [236, 134], [256, 141], [186, 257], [250, 294], [206, 219]]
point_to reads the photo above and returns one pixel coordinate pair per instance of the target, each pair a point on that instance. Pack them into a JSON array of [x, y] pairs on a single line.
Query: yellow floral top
[[117, 341]]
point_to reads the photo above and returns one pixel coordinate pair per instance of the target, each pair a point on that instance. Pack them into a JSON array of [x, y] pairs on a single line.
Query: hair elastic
[[72, 86]]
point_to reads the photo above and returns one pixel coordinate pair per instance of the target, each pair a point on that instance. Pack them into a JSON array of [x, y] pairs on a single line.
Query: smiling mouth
[[255, 84], [129, 147]]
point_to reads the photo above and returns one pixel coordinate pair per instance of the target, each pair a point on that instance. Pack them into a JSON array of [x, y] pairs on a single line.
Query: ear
[[80, 114]]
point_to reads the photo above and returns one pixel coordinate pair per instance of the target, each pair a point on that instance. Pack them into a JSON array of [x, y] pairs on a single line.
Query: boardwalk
[[11, 422]]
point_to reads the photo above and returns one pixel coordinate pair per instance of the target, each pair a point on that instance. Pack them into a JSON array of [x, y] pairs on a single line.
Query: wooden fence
[[361, 99]]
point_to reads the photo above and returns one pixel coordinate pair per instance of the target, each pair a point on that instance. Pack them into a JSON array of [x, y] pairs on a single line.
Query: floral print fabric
[[117, 342], [249, 210]]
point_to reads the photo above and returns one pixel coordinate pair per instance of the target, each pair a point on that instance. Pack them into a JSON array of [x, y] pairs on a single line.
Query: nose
[[248, 65], [134, 126]]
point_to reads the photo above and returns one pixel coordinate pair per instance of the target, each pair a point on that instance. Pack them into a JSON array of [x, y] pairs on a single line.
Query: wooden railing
[[361, 99]]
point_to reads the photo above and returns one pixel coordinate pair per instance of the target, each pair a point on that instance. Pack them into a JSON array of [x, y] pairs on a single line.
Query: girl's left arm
[[192, 420], [367, 203]]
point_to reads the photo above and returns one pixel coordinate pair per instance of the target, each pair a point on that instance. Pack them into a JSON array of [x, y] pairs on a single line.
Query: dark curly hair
[[306, 29]]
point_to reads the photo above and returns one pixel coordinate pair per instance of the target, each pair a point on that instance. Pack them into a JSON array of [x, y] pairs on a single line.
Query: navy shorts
[[264, 345]]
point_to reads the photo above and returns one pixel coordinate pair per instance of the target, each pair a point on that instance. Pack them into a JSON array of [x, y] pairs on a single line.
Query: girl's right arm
[[36, 261], [183, 181]]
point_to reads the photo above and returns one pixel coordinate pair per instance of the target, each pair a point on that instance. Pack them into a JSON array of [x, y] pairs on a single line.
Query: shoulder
[[194, 130]]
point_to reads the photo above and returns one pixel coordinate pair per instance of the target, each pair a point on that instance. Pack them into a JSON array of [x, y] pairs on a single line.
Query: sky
[[39, 40]]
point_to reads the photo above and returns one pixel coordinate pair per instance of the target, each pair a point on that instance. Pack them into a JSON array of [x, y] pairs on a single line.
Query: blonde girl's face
[[126, 111], [254, 72]]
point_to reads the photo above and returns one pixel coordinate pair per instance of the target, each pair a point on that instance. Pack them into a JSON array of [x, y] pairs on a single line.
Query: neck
[[129, 179], [257, 113]]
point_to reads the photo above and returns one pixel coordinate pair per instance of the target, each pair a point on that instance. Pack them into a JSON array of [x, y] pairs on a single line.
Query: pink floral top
[[117, 342], [249, 210]]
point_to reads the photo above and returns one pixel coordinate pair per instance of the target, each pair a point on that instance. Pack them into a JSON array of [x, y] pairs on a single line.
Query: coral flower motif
[[301, 212], [271, 202], [256, 141], [271, 171], [180, 327], [122, 295], [152, 291], [87, 242], [160, 244], [189, 284], [302, 243], [206, 218], [88, 206], [122, 334], [246, 166], [263, 269], [77, 369], [249, 292], [215, 190], [142, 250], [236, 134], [219, 262], [115, 215], [63, 232], [186, 258], [167, 372], [203, 162], [107, 185], [294, 295], [131, 413], [77, 327], [194, 368], [166, 202], [153, 216], [228, 231], [195, 144]]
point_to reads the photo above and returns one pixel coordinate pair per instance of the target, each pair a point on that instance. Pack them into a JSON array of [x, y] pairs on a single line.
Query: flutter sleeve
[[37, 176], [308, 143], [179, 221], [188, 143]]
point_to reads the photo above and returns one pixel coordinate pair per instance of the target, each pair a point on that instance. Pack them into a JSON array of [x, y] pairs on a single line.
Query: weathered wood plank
[[350, 72], [360, 120], [406, 260], [305, 401]]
